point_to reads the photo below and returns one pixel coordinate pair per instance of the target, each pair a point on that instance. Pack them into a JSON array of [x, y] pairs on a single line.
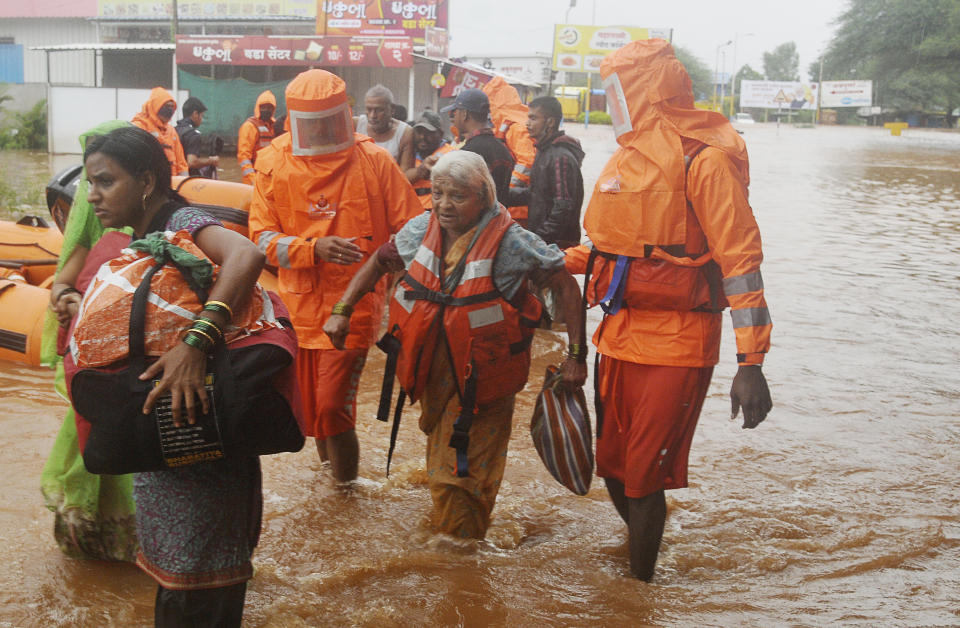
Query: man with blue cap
[[470, 114]]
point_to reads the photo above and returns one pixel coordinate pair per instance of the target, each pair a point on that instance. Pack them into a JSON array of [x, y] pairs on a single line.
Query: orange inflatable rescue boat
[[29, 249]]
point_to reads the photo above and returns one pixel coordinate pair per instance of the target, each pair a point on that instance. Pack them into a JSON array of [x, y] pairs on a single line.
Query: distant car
[[742, 118]]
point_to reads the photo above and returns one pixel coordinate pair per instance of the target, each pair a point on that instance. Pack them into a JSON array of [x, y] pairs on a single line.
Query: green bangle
[[218, 306], [197, 342], [207, 324], [342, 309]]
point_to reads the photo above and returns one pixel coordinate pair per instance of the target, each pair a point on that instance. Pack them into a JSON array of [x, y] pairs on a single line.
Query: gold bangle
[[202, 333], [210, 324], [342, 309], [218, 306]]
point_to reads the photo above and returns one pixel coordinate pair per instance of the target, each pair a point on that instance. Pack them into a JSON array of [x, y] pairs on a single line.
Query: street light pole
[[733, 75], [716, 76]]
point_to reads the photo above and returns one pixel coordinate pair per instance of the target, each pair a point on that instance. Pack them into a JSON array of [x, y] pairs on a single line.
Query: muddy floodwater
[[842, 508]]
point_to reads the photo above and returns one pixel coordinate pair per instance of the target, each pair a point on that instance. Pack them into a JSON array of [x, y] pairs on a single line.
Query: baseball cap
[[471, 100], [430, 120]]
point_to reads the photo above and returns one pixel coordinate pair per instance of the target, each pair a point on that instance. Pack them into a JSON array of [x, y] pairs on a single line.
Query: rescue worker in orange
[[255, 133], [509, 117], [154, 118], [324, 200], [430, 145], [464, 318], [675, 242]]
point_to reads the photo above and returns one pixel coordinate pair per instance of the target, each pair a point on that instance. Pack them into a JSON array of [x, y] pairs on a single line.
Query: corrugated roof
[[55, 47]]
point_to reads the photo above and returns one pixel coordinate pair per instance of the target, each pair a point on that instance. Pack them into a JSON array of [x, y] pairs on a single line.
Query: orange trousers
[[329, 380], [649, 415]]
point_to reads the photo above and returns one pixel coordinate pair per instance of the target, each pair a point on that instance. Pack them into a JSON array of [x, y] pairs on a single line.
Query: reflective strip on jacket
[[485, 333]]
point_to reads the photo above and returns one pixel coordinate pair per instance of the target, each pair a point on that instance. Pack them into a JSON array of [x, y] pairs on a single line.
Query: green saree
[[93, 514]]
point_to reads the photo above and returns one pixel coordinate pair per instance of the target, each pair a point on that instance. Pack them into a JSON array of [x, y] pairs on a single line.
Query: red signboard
[[380, 18], [460, 79], [393, 52]]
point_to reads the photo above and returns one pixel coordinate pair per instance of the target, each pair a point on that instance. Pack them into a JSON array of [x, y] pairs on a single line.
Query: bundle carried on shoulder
[[135, 309]]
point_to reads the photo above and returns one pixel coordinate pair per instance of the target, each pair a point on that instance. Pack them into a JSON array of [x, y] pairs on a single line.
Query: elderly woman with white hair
[[463, 317]]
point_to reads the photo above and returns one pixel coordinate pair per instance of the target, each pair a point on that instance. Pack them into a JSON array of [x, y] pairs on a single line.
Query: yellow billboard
[[582, 48]]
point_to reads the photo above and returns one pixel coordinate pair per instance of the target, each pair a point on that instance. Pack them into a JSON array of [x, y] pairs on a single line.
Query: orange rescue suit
[[359, 193], [254, 135], [666, 203], [149, 121], [486, 335], [509, 117]]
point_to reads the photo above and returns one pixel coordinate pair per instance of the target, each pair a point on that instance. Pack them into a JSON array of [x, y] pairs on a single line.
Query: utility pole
[[716, 76], [733, 76], [819, 90], [174, 26]]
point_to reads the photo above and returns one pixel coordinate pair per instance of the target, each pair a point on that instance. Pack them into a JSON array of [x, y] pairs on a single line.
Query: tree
[[782, 63], [746, 73], [909, 48], [700, 74]]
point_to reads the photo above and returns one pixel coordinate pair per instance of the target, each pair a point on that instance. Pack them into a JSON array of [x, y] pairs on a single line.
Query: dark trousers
[[200, 608]]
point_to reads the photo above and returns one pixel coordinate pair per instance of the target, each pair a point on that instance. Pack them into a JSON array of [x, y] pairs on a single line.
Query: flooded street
[[842, 507]]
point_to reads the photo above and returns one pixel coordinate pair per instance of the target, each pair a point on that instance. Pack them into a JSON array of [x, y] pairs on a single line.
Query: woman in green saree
[[93, 514]]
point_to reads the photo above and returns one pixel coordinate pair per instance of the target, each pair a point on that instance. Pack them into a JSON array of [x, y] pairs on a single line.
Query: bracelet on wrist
[[218, 306], [577, 352], [65, 291], [205, 324], [195, 340], [342, 309]]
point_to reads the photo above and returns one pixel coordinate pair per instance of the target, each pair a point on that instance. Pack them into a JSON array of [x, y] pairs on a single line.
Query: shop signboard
[[391, 52], [581, 48], [381, 18], [436, 43]]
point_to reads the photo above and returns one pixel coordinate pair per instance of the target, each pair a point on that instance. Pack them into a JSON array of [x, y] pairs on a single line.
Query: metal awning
[[473, 67], [101, 46]]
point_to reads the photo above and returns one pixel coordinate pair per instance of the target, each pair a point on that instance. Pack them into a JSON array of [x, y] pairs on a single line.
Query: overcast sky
[[505, 27]]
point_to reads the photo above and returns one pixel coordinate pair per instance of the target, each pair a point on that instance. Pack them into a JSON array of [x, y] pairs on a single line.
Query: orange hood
[[158, 98], [265, 98], [505, 103], [640, 197], [319, 98]]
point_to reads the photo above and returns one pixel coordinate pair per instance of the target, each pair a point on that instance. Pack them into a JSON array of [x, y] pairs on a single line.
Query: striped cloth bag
[[561, 433]]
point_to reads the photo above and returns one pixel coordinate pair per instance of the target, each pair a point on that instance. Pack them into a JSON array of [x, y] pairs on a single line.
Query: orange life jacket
[[488, 337], [422, 186]]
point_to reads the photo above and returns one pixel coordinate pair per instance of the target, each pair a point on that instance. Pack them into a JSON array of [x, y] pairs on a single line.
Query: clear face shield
[[321, 132], [617, 103]]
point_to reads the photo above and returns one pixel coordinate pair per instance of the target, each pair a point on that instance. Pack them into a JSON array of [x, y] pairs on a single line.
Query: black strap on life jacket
[[460, 439], [421, 292], [390, 345]]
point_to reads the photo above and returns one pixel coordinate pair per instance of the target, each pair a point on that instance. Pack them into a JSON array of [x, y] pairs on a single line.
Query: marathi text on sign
[[394, 52]]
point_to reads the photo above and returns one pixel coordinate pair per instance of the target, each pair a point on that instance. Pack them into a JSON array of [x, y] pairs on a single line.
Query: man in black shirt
[[470, 114], [200, 150], [555, 195]]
